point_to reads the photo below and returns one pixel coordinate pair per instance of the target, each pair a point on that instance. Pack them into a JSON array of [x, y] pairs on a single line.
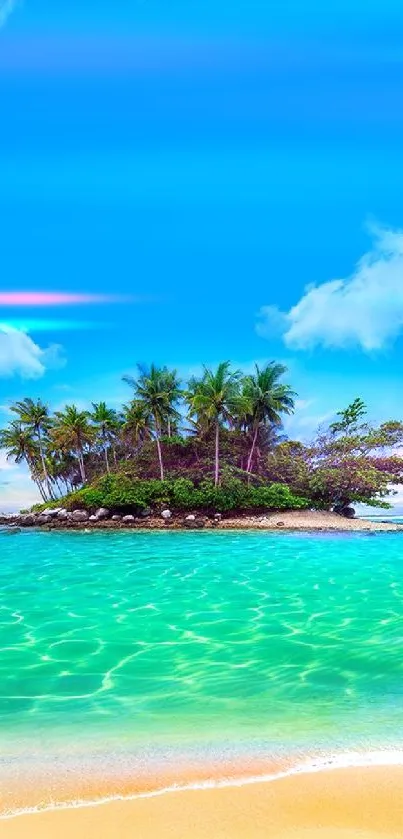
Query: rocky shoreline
[[103, 519]]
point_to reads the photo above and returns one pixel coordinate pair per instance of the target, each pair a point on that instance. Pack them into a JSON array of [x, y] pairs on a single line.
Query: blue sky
[[210, 160]]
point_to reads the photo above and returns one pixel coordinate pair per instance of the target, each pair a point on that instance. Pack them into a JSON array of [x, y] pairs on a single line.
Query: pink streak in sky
[[47, 298]]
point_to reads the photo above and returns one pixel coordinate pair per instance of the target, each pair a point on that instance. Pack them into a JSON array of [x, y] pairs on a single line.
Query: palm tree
[[158, 389], [137, 422], [106, 422], [265, 399], [171, 385], [62, 466], [35, 416], [213, 399], [20, 446], [72, 432]]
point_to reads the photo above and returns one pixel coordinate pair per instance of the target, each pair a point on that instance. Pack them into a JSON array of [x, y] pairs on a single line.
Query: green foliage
[[350, 463], [123, 493], [231, 455], [350, 417]]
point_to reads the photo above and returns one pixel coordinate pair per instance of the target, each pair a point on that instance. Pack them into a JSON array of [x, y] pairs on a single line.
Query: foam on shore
[[362, 801], [345, 760]]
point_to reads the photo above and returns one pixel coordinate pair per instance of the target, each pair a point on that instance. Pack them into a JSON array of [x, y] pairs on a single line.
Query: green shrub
[[123, 492]]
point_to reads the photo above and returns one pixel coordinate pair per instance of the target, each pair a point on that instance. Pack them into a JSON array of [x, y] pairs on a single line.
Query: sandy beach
[[307, 520], [352, 803]]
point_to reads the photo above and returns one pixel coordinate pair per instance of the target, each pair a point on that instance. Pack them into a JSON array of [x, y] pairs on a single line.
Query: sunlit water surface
[[124, 639]]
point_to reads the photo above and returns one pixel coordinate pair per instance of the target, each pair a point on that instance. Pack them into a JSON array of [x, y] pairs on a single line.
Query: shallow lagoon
[[186, 637]]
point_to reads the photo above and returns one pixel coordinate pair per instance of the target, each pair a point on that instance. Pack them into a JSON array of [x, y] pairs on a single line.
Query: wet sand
[[365, 803]]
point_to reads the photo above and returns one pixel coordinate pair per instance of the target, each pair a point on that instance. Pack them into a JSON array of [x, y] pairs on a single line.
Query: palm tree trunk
[[38, 483], [45, 471], [58, 487], [35, 478], [217, 454], [252, 450], [106, 460], [157, 440], [41, 490], [81, 464]]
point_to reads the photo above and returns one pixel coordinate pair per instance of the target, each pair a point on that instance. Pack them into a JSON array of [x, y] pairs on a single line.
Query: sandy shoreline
[[350, 803], [307, 520], [295, 520]]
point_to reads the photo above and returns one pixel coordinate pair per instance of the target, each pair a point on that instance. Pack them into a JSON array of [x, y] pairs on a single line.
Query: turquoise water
[[184, 637]]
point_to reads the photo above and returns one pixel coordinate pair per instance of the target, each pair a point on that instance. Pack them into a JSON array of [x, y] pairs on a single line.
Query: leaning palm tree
[[72, 432], [62, 467], [21, 446], [265, 399], [35, 416], [106, 422], [213, 399], [157, 389]]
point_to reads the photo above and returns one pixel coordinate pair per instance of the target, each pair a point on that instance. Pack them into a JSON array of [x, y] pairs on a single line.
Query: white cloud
[[5, 465], [20, 356], [307, 419], [364, 310], [15, 496], [6, 8], [271, 322], [17, 491]]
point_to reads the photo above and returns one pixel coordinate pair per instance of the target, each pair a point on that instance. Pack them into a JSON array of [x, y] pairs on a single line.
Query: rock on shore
[[303, 520]]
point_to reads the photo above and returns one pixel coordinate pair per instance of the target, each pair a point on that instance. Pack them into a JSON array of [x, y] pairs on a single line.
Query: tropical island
[[211, 450]]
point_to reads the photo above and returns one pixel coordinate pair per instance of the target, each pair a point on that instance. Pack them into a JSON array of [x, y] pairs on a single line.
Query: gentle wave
[[347, 760]]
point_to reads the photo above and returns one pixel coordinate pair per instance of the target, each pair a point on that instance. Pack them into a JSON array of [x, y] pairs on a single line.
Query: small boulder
[[145, 513], [62, 515], [344, 510], [190, 518], [42, 519], [79, 515], [93, 518], [128, 519], [217, 516], [116, 518], [280, 524], [27, 521], [52, 511], [348, 512], [166, 514], [194, 522], [102, 513]]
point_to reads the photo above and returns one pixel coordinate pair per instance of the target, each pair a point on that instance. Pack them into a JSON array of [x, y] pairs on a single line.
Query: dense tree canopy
[[350, 462], [220, 426]]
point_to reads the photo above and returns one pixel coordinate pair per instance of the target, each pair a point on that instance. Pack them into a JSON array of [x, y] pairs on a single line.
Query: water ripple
[[199, 633]]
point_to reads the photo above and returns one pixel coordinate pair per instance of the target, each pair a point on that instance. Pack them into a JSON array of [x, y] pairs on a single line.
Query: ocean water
[[168, 639], [167, 634], [385, 518]]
